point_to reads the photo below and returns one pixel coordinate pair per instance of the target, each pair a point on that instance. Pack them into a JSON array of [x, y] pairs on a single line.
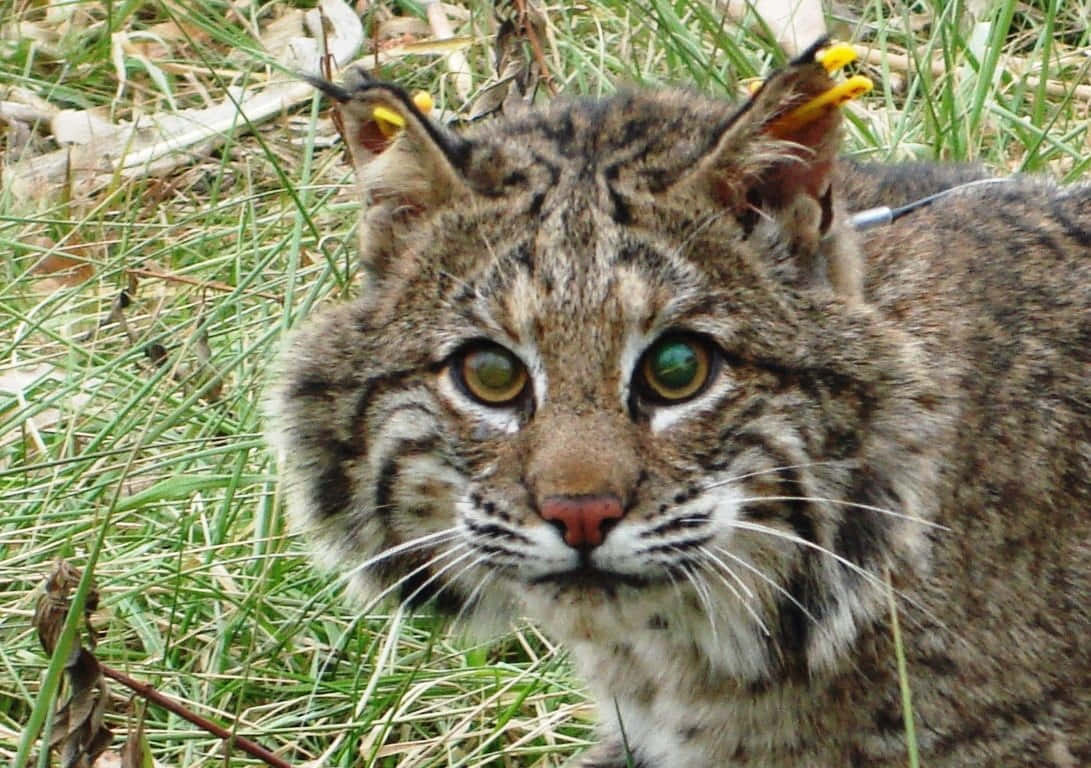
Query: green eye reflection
[[675, 368], [493, 375]]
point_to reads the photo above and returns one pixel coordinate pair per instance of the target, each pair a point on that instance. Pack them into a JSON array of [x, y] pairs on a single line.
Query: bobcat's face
[[607, 375]]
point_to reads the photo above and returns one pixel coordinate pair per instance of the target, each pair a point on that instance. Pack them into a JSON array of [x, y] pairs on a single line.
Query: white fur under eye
[[495, 420], [666, 416]]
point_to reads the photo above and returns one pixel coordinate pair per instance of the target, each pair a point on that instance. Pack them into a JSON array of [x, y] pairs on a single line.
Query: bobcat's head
[[612, 368]]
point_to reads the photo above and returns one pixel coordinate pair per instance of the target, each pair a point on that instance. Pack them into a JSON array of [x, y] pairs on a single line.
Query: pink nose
[[583, 518]]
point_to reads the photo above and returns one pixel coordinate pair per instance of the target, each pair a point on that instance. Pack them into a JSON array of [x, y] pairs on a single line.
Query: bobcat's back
[[621, 365]]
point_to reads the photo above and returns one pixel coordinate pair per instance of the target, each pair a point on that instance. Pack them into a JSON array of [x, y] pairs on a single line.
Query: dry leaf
[[41, 35], [456, 59], [64, 266], [18, 381], [78, 734], [517, 74], [108, 759], [401, 27], [182, 33], [16, 136], [52, 606], [285, 26]]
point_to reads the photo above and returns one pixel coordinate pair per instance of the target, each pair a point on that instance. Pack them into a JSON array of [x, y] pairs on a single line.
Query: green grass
[[156, 473]]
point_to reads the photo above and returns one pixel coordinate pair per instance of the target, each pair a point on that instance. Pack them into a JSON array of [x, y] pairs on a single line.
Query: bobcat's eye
[[675, 368], [491, 374]]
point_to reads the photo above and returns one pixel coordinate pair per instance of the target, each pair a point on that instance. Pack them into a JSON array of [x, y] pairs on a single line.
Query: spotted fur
[[906, 416]]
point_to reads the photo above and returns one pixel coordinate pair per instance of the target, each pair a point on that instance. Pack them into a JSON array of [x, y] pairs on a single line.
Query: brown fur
[[905, 411]]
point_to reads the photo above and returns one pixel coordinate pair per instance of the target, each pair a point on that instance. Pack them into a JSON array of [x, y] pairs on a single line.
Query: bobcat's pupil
[[676, 368], [493, 375]]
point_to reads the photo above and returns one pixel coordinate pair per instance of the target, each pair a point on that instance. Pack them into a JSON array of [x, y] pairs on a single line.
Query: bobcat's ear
[[406, 164], [773, 168]]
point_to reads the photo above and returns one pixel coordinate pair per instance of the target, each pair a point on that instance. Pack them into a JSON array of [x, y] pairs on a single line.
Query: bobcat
[[623, 366]]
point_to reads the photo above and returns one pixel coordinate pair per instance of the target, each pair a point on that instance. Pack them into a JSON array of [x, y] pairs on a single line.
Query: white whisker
[[865, 574], [727, 569], [852, 504], [405, 546], [703, 595], [409, 598], [804, 465], [470, 565], [748, 566], [405, 577], [792, 538], [735, 592], [489, 576]]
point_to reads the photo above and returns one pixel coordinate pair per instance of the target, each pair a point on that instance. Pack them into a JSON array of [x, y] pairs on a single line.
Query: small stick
[[535, 45], [251, 748]]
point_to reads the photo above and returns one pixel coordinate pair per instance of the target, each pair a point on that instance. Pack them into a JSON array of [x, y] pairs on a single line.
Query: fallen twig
[[251, 748]]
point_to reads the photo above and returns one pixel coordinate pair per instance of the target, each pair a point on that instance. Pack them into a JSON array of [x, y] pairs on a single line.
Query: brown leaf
[[78, 734], [64, 266], [516, 72], [52, 606]]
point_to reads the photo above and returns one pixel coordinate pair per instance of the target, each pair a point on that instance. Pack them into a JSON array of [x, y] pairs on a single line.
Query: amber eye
[[492, 375], [675, 368]]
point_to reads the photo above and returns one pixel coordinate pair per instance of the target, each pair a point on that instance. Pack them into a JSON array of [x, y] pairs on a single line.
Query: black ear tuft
[[334, 91], [809, 55], [360, 97]]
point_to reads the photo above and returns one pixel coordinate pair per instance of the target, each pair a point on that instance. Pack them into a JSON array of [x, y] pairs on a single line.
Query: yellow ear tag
[[853, 88], [423, 100], [837, 56], [390, 122]]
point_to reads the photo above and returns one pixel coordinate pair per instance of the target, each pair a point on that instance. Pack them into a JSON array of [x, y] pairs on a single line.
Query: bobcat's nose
[[584, 518]]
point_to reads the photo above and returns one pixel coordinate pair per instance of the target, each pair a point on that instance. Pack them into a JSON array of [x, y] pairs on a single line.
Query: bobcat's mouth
[[585, 576]]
